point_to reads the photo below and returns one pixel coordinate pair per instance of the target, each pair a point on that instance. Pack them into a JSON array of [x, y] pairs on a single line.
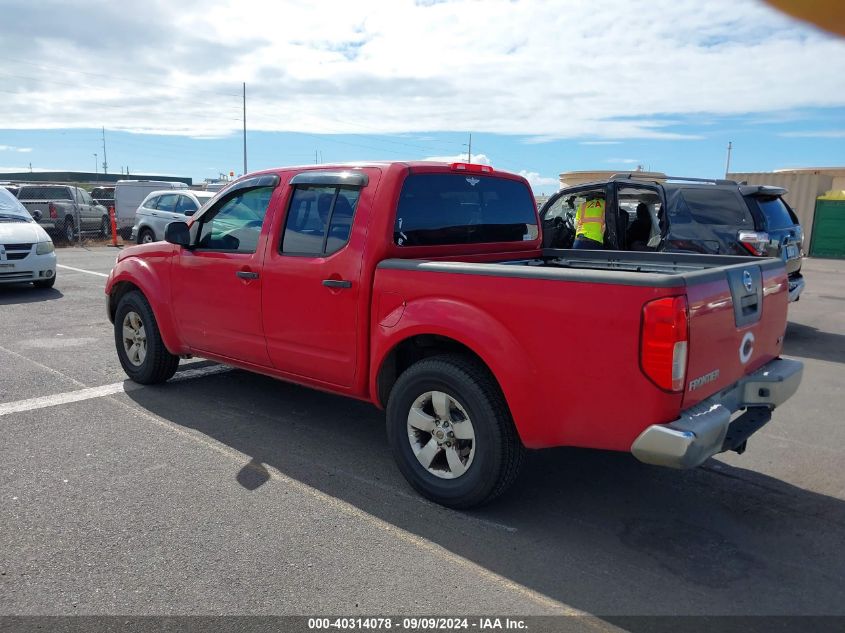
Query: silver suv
[[160, 208]]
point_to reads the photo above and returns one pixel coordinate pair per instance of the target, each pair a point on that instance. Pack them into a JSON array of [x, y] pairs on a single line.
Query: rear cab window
[[437, 209], [44, 193]]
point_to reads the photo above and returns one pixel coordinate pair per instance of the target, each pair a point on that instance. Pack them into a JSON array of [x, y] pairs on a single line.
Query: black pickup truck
[[685, 215]]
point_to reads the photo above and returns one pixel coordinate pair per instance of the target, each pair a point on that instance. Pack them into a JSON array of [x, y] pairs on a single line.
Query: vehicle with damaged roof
[[685, 215]]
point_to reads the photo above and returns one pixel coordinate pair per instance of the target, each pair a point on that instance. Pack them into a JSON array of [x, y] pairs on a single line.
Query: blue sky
[[666, 86]]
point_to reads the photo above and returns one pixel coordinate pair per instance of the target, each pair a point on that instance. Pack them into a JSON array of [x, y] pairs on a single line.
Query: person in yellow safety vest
[[589, 224]]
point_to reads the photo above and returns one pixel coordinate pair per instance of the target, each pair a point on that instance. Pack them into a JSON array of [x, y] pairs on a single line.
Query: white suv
[[160, 208]]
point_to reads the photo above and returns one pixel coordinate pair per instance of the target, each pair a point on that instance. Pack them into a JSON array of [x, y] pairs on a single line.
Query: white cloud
[[815, 134], [623, 161], [530, 68], [12, 148], [478, 159], [537, 181], [600, 142]]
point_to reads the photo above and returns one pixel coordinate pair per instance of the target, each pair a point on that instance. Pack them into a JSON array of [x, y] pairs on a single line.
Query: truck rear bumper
[[707, 429], [796, 287]]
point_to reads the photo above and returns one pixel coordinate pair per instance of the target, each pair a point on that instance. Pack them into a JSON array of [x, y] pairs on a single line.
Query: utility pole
[[244, 127], [728, 164], [105, 160], [469, 149], [95, 165]]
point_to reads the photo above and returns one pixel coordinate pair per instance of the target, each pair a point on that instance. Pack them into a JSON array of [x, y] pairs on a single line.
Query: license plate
[[791, 251], [7, 265]]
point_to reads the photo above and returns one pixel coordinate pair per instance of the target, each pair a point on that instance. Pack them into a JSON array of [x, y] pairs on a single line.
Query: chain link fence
[[70, 214]]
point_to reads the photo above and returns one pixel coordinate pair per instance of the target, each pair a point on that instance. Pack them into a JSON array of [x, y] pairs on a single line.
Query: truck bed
[[578, 315]]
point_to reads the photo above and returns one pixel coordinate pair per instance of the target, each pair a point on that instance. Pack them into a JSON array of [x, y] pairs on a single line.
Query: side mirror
[[36, 215], [178, 233], [190, 212]]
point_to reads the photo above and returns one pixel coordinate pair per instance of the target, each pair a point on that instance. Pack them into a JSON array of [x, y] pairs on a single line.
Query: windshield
[[438, 209], [10, 209]]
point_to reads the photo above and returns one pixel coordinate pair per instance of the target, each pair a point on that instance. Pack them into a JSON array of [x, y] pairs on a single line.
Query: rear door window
[[167, 202], [439, 209], [319, 219], [717, 206]]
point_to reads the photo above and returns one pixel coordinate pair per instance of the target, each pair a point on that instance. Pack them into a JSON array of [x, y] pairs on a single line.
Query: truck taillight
[[664, 342], [486, 169], [754, 242], [52, 209]]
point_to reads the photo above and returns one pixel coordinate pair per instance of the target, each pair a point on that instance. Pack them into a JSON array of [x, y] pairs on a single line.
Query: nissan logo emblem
[[747, 281]]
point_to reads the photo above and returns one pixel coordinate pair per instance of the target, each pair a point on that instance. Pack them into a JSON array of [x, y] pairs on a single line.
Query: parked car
[[103, 196], [26, 251], [11, 188], [423, 288], [128, 196], [686, 215], [63, 210], [160, 208]]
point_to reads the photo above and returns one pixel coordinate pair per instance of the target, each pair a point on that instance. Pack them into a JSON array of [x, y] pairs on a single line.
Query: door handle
[[247, 274], [337, 283]]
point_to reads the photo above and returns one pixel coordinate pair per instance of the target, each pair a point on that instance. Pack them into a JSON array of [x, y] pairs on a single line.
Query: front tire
[[105, 227], [45, 283], [451, 432], [140, 348], [146, 237]]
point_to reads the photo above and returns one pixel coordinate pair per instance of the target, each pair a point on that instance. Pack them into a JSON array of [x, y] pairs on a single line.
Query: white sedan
[[26, 251]]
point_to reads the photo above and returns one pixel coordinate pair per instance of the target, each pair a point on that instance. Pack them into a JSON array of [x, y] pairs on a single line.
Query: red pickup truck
[[424, 289]]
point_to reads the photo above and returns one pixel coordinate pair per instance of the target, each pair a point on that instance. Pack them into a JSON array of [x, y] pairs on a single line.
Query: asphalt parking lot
[[224, 492]]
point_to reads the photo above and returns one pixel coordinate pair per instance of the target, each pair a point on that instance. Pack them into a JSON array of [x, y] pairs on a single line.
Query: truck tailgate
[[737, 324]]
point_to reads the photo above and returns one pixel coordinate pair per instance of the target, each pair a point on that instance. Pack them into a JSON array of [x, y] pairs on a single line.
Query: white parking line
[[90, 393], [82, 270], [345, 507]]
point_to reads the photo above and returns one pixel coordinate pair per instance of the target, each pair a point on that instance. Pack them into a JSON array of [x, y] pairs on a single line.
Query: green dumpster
[[828, 229]]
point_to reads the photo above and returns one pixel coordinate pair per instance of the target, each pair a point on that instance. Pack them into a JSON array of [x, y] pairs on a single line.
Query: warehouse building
[[89, 177]]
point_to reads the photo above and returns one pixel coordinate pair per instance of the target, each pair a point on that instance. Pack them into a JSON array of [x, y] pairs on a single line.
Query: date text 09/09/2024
[[417, 624]]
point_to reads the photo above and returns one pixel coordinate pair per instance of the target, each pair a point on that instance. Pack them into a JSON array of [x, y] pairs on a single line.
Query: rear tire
[[105, 227], [489, 462], [140, 348], [69, 230]]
